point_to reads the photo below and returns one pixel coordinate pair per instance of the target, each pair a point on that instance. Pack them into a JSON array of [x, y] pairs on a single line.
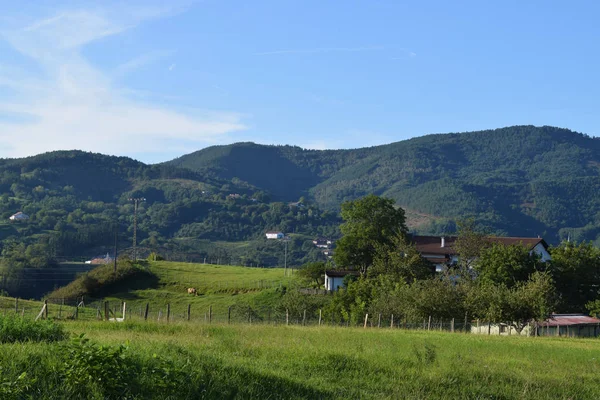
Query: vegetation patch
[[103, 280], [17, 329]]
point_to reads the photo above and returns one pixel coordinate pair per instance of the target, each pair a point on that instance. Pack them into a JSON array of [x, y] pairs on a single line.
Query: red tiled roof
[[570, 319], [433, 244]]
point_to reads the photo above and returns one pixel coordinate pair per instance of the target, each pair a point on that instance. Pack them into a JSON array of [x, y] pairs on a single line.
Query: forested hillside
[[520, 180], [217, 203], [78, 203]]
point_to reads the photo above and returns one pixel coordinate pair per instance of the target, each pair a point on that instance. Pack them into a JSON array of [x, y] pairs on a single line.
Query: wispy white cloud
[[72, 104], [140, 61], [172, 67], [320, 50]]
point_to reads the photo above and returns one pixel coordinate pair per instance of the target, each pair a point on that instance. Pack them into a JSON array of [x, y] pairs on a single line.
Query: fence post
[[465, 321], [304, 318], [452, 326], [441, 324], [106, 315], [146, 311], [287, 316], [489, 328], [124, 310], [229, 315], [209, 314], [379, 321], [478, 327], [16, 305], [76, 311], [189, 311], [320, 316], [392, 321], [168, 311], [429, 323], [366, 318]]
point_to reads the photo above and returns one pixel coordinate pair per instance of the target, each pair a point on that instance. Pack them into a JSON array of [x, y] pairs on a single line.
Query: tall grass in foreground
[[13, 328], [194, 361]]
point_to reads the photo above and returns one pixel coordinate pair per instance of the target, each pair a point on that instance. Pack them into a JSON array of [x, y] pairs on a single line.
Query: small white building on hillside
[[275, 235], [20, 216]]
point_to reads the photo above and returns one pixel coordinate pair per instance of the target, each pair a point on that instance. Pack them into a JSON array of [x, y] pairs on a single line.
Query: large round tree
[[370, 222]]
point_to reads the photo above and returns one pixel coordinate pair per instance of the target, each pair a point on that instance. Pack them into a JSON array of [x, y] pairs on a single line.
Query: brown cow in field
[[192, 291]]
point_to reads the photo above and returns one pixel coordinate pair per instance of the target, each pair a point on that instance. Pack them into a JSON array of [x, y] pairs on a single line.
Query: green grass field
[[197, 359], [218, 287], [279, 362]]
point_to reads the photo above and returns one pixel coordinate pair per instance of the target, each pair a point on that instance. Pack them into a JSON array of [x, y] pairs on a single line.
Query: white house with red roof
[[439, 250]]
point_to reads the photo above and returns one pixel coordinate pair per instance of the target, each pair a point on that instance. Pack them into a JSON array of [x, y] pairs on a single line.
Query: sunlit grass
[[261, 361]]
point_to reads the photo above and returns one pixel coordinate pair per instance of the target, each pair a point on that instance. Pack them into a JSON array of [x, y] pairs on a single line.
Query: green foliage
[[576, 271], [369, 223], [527, 301], [506, 265], [400, 261], [297, 303], [103, 371], [103, 280], [16, 388], [17, 329], [314, 273]]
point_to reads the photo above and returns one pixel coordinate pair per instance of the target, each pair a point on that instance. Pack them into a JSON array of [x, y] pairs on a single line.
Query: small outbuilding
[[571, 325], [574, 325], [335, 279]]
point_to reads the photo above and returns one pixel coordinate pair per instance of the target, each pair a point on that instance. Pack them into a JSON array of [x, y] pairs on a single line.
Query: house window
[[502, 328]]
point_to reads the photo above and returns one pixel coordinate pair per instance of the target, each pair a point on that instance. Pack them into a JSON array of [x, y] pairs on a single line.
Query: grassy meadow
[[194, 360]]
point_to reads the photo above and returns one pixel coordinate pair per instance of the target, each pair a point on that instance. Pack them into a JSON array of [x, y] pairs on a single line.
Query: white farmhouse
[[20, 216], [275, 235], [440, 250]]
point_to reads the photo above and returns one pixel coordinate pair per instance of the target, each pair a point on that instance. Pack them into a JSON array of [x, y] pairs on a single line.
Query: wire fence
[[119, 311]]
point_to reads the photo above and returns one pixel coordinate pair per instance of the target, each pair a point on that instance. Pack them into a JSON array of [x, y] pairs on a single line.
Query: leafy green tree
[[313, 272], [525, 302], [576, 271], [506, 265], [400, 262], [469, 245], [370, 222]]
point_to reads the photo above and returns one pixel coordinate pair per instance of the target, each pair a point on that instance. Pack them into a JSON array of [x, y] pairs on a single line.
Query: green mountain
[[520, 180], [78, 204]]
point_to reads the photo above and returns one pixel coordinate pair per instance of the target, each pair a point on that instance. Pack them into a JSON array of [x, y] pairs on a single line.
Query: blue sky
[[155, 81]]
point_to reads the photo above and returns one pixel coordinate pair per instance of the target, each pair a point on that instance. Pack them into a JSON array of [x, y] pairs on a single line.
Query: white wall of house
[[542, 252], [333, 283]]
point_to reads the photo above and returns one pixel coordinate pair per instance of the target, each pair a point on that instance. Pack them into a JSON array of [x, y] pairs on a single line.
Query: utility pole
[[135, 207], [116, 236], [285, 241]]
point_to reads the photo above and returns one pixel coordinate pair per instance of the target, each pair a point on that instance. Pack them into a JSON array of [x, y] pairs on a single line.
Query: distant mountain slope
[[76, 202], [521, 180]]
